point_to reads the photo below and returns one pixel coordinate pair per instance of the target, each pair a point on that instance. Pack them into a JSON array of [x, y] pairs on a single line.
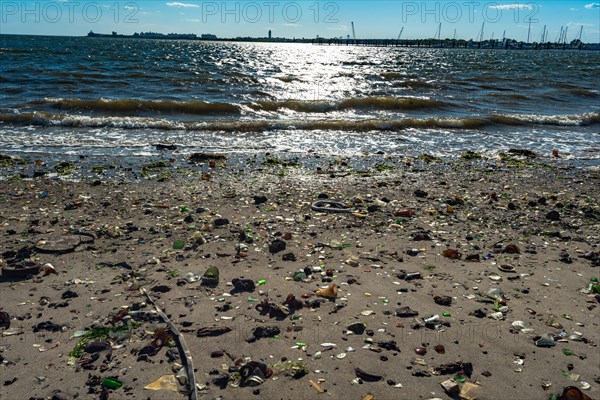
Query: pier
[[455, 44]]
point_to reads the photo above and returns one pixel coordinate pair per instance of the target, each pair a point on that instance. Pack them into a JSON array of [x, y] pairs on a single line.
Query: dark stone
[[357, 328], [389, 345], [264, 332], [161, 289], [189, 219], [323, 196], [243, 285], [443, 300], [553, 215], [69, 294], [565, 258], [406, 312], [276, 246], [258, 200], [479, 313], [220, 222], [420, 193], [372, 208], [289, 257], [46, 326]]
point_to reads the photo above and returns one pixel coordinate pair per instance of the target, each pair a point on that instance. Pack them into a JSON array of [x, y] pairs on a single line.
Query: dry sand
[[475, 207]]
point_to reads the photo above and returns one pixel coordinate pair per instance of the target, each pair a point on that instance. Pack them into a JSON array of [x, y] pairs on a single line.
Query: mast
[[481, 34], [401, 30], [353, 32], [542, 40], [438, 32], [580, 33], [559, 37], [529, 30]]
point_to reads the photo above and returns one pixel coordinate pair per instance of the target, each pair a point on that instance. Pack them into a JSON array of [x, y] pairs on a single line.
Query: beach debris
[[452, 254], [211, 277], [261, 332], [469, 391], [330, 292], [215, 330], [255, 373], [451, 387], [165, 382], [20, 269], [366, 376], [63, 245], [315, 386], [111, 383], [325, 206]]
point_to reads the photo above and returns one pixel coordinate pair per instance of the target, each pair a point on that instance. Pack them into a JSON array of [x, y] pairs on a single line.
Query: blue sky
[[372, 19]]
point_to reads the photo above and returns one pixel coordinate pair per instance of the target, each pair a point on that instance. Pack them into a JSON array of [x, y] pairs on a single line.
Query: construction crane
[[400, 34]]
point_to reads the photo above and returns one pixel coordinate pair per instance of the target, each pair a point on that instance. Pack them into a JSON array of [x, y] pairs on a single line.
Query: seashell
[[340, 356], [328, 345]]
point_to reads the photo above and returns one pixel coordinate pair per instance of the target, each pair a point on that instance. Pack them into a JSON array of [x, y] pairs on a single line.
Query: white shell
[[328, 345], [366, 312], [340, 356]]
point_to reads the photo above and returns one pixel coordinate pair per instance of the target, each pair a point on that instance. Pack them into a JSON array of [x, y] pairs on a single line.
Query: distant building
[[208, 36], [270, 35]]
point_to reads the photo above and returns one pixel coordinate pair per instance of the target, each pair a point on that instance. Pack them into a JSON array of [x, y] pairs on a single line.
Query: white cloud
[[514, 6], [572, 9], [592, 5], [192, 20], [341, 28], [183, 5], [578, 24]]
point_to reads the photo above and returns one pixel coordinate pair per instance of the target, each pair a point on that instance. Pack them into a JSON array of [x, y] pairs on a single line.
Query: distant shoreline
[[508, 44]]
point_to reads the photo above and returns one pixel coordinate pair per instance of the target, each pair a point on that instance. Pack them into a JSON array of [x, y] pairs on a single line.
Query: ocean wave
[[557, 120], [372, 102], [365, 125], [206, 108], [132, 105]]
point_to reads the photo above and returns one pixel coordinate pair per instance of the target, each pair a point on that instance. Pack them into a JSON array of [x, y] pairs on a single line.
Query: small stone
[[69, 294], [406, 312], [276, 246], [289, 257], [220, 222], [258, 200], [553, 215], [443, 300], [512, 249]]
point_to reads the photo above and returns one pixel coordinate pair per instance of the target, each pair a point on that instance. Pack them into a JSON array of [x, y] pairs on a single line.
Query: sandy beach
[[472, 272]]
